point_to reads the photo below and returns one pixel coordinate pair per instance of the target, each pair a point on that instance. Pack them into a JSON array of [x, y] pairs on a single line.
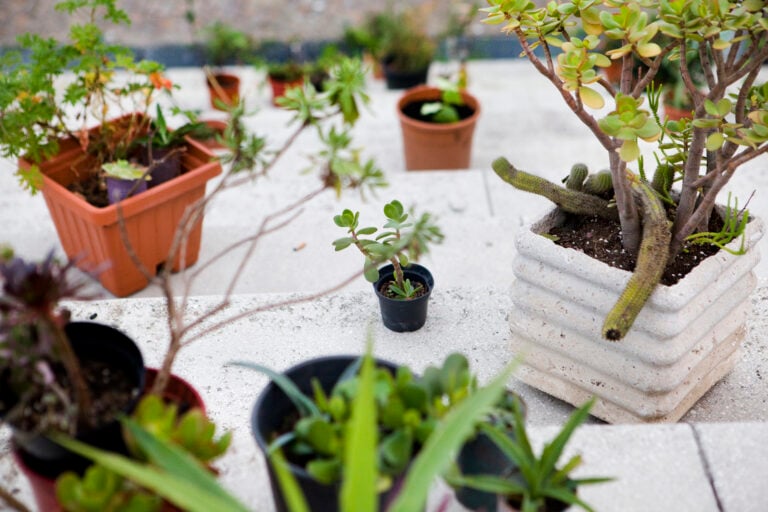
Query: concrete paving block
[[737, 460]]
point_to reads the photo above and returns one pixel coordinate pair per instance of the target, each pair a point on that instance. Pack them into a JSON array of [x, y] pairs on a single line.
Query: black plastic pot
[[404, 315], [93, 342], [273, 408], [481, 456], [397, 79]]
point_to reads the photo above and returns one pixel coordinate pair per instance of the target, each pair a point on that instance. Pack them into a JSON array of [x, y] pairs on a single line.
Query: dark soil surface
[[601, 239], [421, 289], [111, 392], [413, 110], [93, 189]]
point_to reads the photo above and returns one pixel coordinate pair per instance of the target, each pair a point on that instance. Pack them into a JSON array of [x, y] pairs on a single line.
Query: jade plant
[[103, 489], [566, 42], [536, 484], [408, 410], [444, 110], [399, 242], [36, 116]]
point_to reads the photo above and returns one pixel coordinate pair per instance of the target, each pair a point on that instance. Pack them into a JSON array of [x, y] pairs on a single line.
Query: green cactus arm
[[651, 261], [575, 180], [598, 183], [571, 201]]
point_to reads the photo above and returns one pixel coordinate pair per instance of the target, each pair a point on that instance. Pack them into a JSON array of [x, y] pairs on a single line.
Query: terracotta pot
[[279, 87], [226, 90], [675, 114], [434, 145], [91, 235], [218, 128], [178, 391], [686, 338]]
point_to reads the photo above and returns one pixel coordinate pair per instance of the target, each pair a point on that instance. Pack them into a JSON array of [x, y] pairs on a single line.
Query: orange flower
[[159, 81]]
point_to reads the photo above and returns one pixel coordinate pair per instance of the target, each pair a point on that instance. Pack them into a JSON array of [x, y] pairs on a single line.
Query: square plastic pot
[[92, 235], [684, 341]]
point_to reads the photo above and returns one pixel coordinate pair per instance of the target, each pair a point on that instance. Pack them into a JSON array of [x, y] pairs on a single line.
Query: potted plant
[[367, 38], [60, 151], [224, 45], [403, 287], [125, 179], [406, 49], [686, 338], [678, 103], [438, 124], [283, 76], [57, 375], [535, 484], [305, 412]]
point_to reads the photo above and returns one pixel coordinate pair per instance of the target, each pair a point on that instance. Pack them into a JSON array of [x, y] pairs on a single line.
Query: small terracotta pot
[[226, 89], [280, 87], [434, 145], [676, 114], [218, 128]]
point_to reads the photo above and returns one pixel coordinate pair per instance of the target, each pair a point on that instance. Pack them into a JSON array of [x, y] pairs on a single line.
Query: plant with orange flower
[[35, 118]]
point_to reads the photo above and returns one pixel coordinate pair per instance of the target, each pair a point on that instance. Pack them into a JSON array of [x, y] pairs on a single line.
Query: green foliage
[[444, 111], [171, 472], [407, 411], [575, 179], [34, 116], [734, 223], [537, 479], [399, 241], [155, 435], [125, 170], [225, 44], [102, 490]]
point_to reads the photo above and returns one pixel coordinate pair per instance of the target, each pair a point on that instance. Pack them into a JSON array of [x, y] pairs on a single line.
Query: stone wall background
[[162, 22]]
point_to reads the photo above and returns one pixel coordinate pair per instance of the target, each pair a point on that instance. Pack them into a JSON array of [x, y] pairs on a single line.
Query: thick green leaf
[[629, 151], [358, 490], [173, 486], [441, 447], [591, 98], [715, 141]]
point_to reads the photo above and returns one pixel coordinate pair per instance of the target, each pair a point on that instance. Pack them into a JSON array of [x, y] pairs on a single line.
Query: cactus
[[651, 260], [662, 179], [575, 180], [599, 183], [571, 201]]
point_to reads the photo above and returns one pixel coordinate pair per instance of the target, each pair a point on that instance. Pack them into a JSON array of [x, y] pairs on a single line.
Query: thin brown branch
[[11, 501]]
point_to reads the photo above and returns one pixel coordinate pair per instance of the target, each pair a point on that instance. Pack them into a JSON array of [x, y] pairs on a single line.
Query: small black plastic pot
[[397, 79], [481, 456], [404, 315], [274, 409], [93, 342]]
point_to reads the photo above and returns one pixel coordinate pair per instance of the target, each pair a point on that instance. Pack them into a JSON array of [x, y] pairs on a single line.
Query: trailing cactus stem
[[570, 201], [651, 261]]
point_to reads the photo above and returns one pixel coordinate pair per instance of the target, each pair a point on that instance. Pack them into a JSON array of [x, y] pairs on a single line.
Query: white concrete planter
[[685, 340]]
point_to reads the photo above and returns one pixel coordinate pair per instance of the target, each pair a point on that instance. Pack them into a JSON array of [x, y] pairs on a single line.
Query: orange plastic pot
[[92, 235], [676, 114], [430, 146], [226, 89]]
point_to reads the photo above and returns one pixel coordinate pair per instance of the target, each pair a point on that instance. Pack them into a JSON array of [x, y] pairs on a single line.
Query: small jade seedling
[[399, 242], [125, 170], [444, 111]]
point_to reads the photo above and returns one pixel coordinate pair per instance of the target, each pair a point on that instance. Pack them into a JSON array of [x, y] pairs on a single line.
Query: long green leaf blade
[[441, 446], [358, 490], [294, 498], [176, 489], [302, 402]]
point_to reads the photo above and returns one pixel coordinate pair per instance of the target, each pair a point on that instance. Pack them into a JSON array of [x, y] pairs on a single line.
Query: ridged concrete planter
[[684, 341]]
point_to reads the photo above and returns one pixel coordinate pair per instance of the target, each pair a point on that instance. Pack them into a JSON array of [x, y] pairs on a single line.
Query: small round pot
[[397, 79], [502, 505], [404, 315], [481, 456], [436, 146], [675, 113], [280, 87], [178, 391], [118, 189], [166, 165], [228, 90], [269, 416]]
